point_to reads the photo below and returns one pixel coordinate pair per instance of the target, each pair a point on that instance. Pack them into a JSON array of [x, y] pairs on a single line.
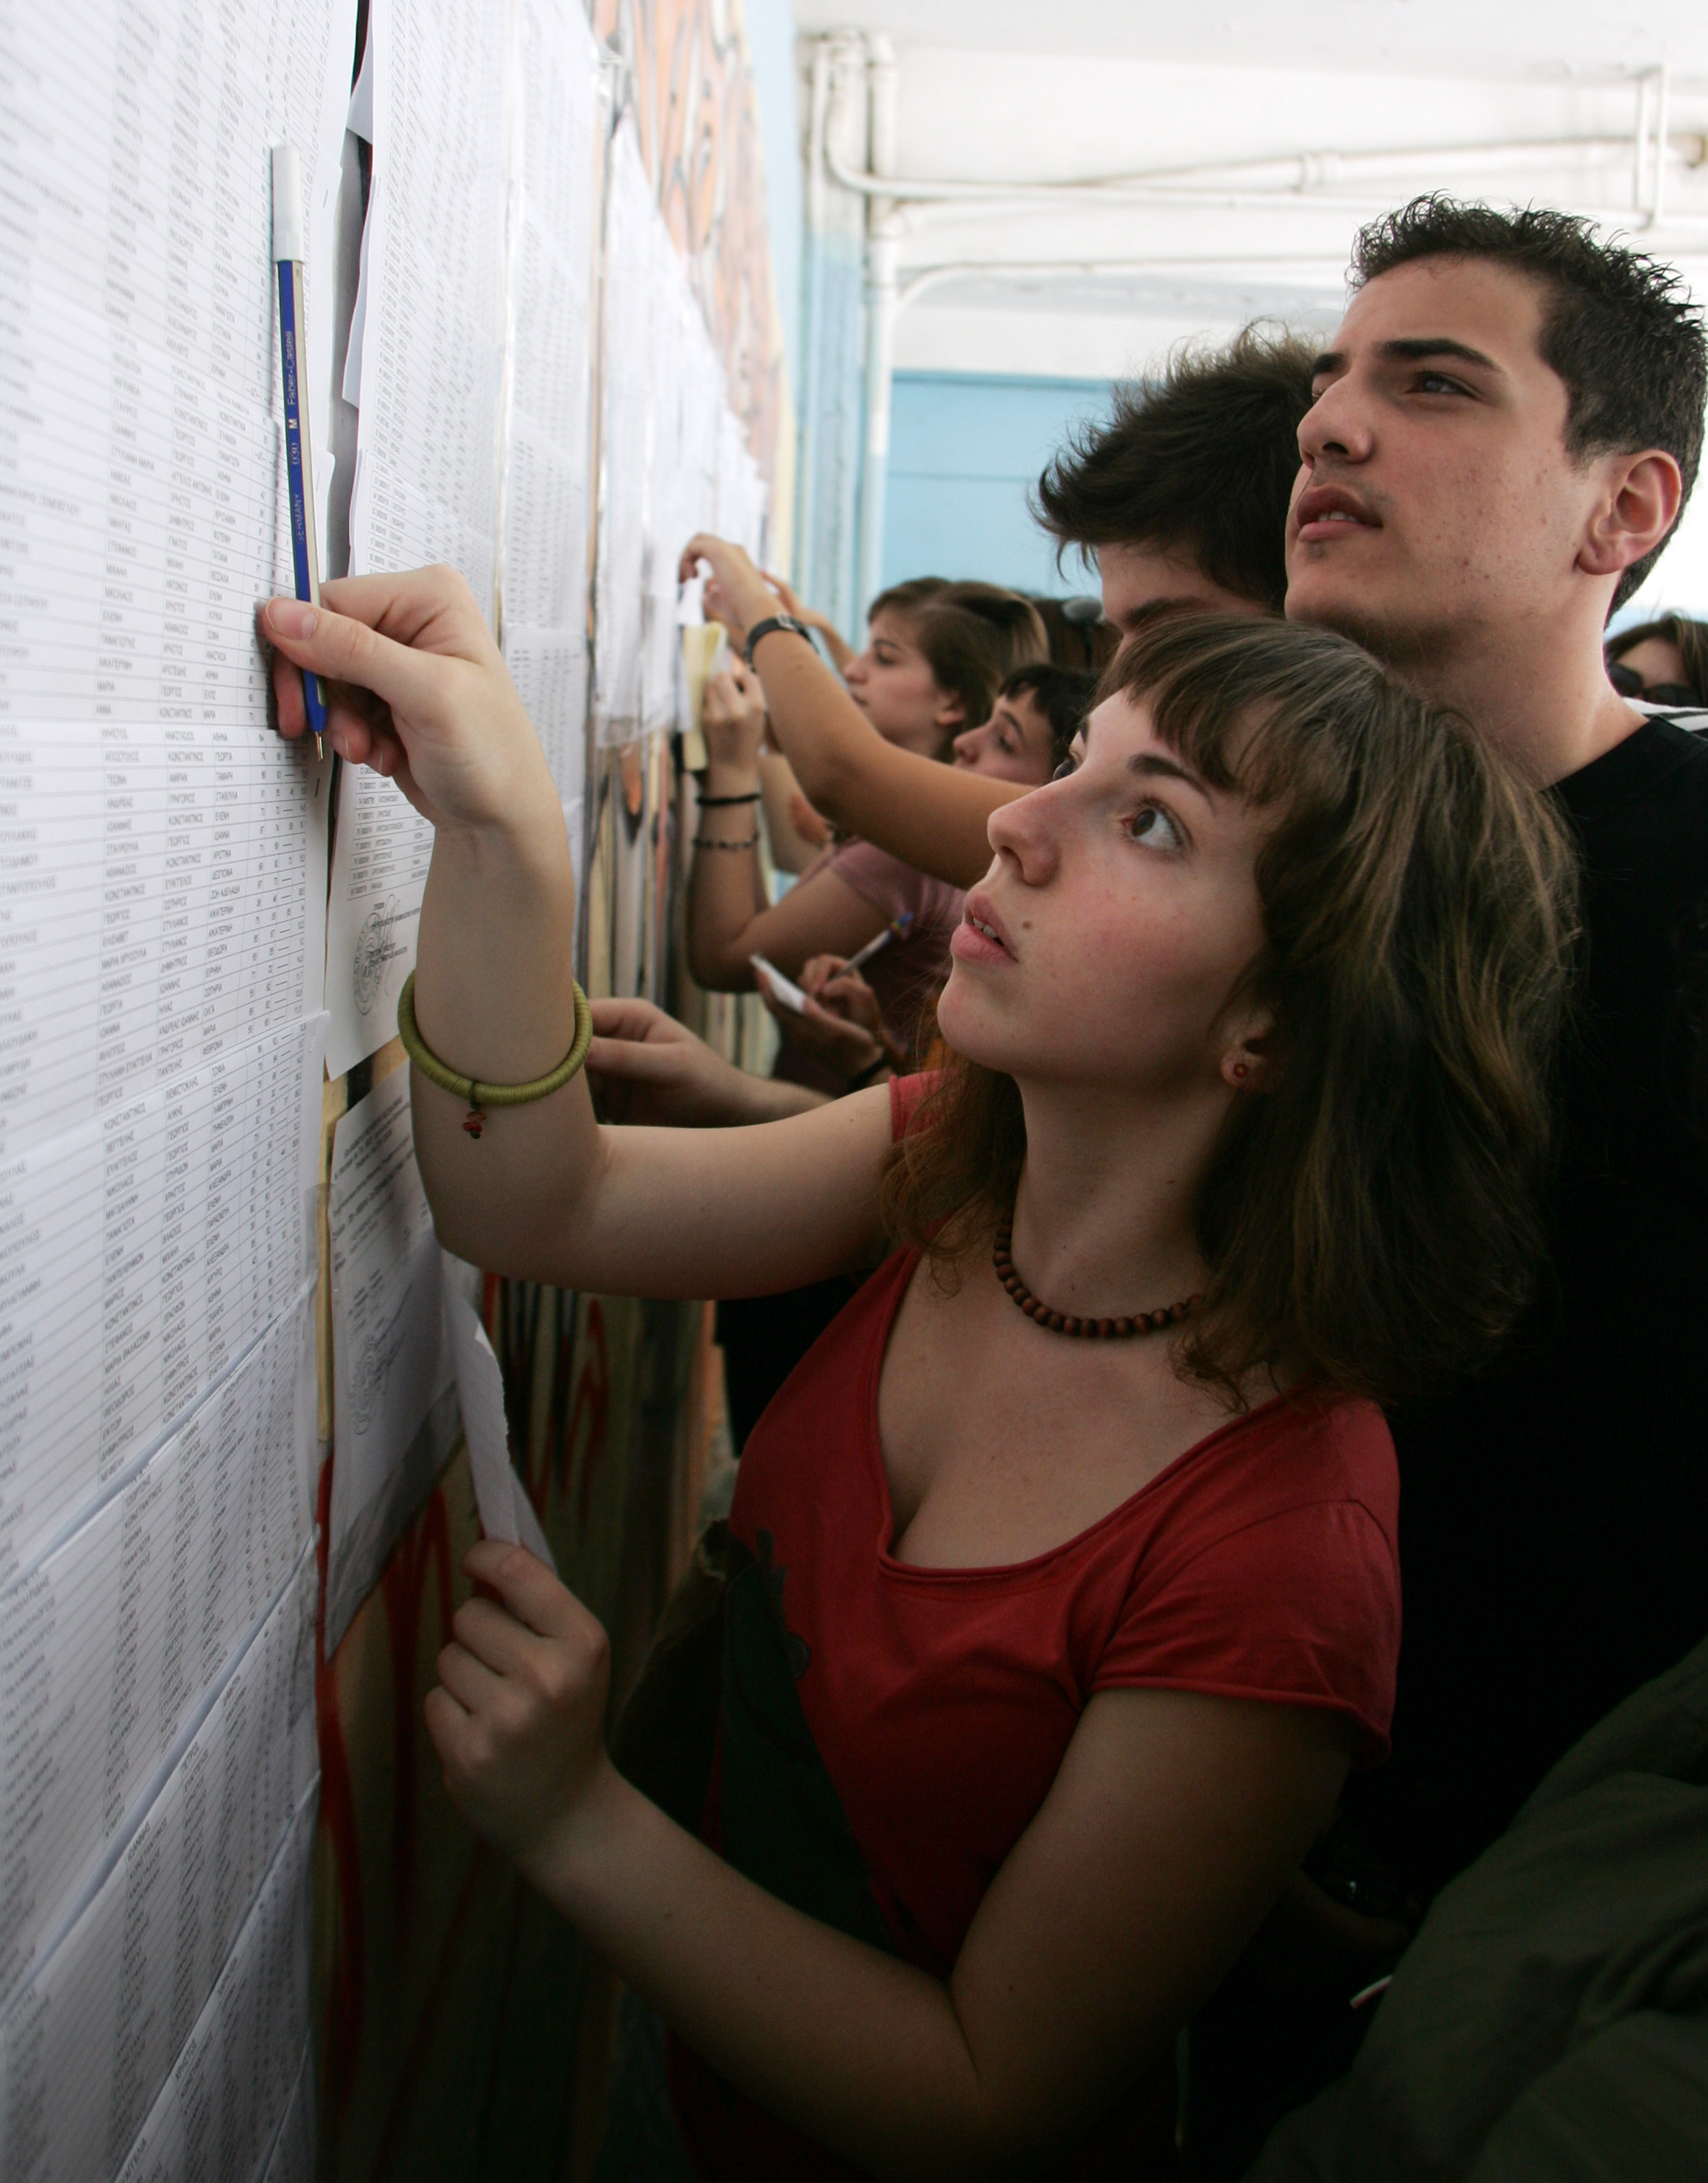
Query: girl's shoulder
[[1270, 1568], [1305, 1449], [907, 1096]]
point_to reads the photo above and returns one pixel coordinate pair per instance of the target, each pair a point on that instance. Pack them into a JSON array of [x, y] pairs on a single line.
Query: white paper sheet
[[673, 457], [425, 488], [290, 2157], [633, 235], [140, 1256], [162, 854], [393, 1418], [360, 119], [108, 1647], [163, 876], [506, 1512], [432, 347], [160, 903], [682, 472], [87, 2042], [742, 499], [243, 2082], [553, 242]]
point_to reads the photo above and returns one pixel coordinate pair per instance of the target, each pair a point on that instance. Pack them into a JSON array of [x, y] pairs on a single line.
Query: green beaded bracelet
[[480, 1096]]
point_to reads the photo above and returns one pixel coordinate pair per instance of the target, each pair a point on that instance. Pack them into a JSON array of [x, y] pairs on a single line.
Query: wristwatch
[[764, 628]]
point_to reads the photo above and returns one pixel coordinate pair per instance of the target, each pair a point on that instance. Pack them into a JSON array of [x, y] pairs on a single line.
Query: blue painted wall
[[965, 449]]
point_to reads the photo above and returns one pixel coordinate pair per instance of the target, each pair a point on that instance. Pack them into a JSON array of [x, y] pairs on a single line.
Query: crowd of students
[[1288, 1195]]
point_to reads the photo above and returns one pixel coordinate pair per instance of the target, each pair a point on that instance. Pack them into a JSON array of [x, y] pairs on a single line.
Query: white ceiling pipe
[[883, 305], [883, 91], [909, 220], [1681, 232], [1328, 272], [1311, 269], [1308, 174]]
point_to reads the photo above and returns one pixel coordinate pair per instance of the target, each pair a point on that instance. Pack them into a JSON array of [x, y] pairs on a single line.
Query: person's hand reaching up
[[736, 594], [733, 719]]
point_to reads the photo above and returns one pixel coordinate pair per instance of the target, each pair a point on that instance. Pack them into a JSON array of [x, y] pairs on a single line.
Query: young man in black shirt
[[1504, 429], [1501, 437]]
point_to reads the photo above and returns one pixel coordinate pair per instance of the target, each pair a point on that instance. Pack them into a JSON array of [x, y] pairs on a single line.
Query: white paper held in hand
[[506, 1512], [784, 990]]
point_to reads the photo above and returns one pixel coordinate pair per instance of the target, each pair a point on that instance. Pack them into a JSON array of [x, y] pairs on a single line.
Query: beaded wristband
[[480, 1096], [701, 841]]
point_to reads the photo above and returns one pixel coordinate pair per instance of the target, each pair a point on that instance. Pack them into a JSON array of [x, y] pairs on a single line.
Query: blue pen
[[290, 249]]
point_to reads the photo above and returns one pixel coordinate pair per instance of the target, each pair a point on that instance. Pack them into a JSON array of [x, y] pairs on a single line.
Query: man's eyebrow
[[1415, 348], [1149, 765], [1418, 347]]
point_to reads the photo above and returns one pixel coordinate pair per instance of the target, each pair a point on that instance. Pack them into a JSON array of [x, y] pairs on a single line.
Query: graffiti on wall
[[692, 86]]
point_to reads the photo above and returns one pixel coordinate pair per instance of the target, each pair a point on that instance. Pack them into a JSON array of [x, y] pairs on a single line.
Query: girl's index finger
[[341, 649]]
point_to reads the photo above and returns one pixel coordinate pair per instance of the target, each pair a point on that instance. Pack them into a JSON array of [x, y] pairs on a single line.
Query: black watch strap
[[764, 628]]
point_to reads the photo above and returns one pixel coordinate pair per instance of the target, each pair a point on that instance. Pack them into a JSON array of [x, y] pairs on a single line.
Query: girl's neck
[[925, 739], [1106, 1218]]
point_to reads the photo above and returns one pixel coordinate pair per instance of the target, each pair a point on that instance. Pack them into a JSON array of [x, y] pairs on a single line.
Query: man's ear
[[1639, 507]]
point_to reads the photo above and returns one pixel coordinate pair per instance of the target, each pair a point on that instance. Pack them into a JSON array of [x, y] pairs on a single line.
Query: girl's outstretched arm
[[1170, 1830], [729, 920], [931, 816], [421, 693]]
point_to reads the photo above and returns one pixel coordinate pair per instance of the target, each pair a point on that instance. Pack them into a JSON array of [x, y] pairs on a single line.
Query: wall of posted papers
[[191, 941]]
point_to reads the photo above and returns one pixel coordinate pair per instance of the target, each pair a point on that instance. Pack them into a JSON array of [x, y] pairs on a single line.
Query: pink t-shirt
[[910, 972]]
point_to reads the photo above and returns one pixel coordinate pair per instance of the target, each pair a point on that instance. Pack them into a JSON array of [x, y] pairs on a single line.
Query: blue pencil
[[897, 928], [290, 249]]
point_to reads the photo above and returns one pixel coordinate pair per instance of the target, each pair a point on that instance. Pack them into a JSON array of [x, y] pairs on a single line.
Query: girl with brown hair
[[936, 655], [875, 784], [1058, 1593]]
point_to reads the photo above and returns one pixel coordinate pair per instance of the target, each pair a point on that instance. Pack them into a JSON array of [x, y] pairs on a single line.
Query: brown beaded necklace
[[1062, 1322]]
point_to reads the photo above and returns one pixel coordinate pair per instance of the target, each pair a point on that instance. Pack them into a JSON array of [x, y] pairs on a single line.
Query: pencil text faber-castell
[[290, 249]]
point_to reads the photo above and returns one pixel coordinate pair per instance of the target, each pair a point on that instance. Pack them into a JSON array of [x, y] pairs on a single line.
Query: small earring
[[1240, 1072]]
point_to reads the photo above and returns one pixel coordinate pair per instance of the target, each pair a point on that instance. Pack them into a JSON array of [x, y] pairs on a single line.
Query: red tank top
[[1261, 1564]]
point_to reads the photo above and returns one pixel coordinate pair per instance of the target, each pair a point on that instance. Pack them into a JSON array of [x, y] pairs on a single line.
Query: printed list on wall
[[190, 939], [162, 878]]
